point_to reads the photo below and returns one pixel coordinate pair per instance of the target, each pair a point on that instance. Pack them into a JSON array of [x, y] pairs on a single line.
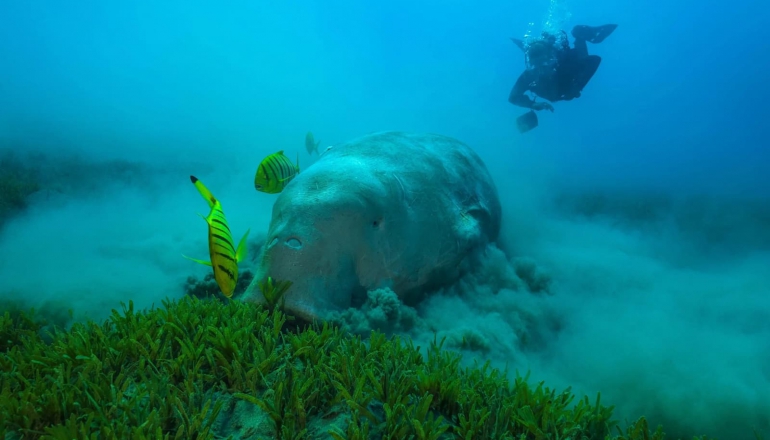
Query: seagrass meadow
[[203, 369]]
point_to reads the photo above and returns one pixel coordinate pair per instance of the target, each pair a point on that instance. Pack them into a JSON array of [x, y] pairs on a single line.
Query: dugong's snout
[[284, 259], [291, 241], [304, 260]]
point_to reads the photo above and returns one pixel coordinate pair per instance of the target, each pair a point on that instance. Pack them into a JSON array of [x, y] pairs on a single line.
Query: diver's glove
[[542, 106]]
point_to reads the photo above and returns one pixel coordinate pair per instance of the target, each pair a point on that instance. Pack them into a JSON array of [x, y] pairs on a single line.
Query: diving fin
[[527, 121], [593, 34], [518, 43]]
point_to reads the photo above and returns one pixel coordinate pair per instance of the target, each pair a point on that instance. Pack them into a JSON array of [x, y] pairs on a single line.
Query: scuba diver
[[556, 72]]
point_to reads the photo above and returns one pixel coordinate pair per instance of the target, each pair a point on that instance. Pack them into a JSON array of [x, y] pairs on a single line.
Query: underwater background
[[642, 208]]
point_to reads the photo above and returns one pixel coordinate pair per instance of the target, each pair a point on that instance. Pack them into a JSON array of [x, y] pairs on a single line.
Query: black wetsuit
[[574, 68]]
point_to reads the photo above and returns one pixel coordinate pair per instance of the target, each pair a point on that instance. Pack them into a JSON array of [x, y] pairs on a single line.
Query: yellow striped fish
[[275, 172], [311, 144], [224, 255]]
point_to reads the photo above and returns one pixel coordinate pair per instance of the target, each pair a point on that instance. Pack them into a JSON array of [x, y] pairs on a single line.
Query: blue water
[[677, 109]]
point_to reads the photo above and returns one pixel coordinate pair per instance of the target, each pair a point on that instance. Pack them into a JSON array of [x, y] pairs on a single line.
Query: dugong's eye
[[377, 223]]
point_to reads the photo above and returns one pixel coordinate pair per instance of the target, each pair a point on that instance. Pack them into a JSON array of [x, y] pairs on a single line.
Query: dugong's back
[[390, 209]]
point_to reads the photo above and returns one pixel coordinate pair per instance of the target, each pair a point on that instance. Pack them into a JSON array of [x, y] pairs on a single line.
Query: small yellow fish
[[224, 256], [311, 144], [275, 172]]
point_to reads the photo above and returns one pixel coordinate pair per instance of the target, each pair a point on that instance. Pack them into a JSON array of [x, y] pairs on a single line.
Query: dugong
[[390, 209]]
